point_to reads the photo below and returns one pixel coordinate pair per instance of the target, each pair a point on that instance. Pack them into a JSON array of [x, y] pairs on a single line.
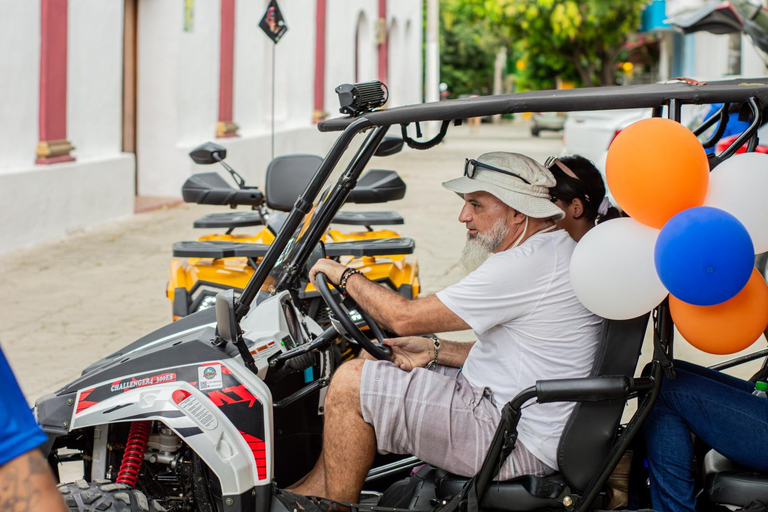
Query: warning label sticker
[[196, 410], [209, 377]]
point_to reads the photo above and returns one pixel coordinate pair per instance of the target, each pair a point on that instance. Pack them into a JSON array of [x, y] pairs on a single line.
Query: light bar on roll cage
[[356, 99]]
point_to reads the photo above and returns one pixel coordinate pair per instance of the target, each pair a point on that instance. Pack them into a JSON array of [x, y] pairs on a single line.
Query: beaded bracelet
[[344, 277]]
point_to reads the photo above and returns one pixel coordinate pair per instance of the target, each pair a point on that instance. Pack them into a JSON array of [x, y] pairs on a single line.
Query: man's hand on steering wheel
[[340, 316], [332, 270], [411, 351]]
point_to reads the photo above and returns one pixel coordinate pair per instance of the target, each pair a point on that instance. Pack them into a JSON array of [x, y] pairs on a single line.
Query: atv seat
[[229, 220], [223, 249], [387, 218], [288, 176], [729, 483], [587, 439]]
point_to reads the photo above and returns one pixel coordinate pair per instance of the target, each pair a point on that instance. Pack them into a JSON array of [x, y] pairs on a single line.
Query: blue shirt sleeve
[[19, 433]]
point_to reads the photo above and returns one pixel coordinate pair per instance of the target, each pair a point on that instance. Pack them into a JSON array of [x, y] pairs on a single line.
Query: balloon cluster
[[691, 234]]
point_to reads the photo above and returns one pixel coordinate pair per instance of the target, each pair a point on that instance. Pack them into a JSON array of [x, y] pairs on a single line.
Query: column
[[226, 127], [53, 146], [319, 113], [383, 41]]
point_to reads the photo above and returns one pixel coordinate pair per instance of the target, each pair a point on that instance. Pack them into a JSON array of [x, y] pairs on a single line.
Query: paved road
[[70, 302]]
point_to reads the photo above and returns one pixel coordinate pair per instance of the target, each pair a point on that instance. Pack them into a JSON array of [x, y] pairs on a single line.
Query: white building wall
[[395, 76], [252, 86], [367, 49], [296, 65], [675, 7], [177, 94], [19, 84], [407, 57], [342, 19], [95, 78], [40, 202], [752, 59], [710, 55], [197, 61]]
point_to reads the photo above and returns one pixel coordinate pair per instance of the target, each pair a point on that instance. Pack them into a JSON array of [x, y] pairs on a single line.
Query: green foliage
[[576, 40], [468, 47]]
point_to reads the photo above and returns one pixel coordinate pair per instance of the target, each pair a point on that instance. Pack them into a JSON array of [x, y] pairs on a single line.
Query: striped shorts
[[438, 417]]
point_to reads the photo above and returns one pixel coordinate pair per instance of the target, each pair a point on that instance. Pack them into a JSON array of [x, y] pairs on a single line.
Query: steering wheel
[[378, 350]]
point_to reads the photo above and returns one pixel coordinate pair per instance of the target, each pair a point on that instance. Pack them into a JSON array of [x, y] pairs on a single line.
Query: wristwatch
[[433, 363]]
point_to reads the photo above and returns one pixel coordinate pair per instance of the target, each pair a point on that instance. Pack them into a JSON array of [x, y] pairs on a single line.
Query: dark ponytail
[[612, 213]]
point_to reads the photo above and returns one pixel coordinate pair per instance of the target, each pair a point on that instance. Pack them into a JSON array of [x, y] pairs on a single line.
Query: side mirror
[[208, 153], [389, 146], [227, 329]]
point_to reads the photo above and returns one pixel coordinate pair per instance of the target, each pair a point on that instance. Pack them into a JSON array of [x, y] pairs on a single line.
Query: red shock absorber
[[134, 452]]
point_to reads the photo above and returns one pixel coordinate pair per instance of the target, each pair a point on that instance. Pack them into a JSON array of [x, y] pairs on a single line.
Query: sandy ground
[[70, 302]]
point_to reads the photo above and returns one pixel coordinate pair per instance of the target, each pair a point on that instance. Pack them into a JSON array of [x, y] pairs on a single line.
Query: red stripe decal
[[258, 448], [82, 403]]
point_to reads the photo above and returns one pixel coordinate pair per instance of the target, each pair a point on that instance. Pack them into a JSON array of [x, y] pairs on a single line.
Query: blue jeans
[[721, 411]]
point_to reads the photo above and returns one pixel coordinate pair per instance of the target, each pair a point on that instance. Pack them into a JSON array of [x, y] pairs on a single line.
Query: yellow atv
[[204, 267]]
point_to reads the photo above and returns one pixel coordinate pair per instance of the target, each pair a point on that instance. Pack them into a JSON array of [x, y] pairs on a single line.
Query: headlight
[[208, 302], [204, 297]]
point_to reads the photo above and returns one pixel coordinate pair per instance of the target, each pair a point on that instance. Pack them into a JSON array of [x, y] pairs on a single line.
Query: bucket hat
[[518, 181]]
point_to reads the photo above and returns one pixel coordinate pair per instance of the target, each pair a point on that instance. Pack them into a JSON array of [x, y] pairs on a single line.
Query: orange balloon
[[655, 169], [727, 327]]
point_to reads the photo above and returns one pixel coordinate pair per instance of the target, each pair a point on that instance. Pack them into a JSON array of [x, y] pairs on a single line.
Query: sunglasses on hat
[[471, 165], [555, 161]]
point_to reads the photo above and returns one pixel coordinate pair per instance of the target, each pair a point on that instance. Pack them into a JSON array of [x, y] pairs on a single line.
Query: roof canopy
[[568, 100], [716, 17]]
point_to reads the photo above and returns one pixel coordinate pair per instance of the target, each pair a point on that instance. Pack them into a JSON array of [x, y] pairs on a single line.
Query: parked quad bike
[[215, 412], [215, 262]]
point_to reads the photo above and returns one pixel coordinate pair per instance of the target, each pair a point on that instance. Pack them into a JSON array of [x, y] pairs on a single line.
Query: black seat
[[229, 220], [587, 438], [729, 483], [287, 177], [385, 218], [216, 249]]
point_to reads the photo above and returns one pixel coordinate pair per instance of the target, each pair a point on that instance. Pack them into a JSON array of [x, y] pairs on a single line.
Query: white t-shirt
[[530, 326]]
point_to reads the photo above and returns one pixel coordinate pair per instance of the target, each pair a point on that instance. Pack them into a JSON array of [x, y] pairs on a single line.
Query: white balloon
[[613, 271], [739, 187]]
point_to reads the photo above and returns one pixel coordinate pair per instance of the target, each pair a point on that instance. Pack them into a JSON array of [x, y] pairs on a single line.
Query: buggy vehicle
[[217, 411], [214, 262]]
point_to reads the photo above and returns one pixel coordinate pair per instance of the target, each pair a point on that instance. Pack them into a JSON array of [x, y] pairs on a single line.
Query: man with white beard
[[441, 400]]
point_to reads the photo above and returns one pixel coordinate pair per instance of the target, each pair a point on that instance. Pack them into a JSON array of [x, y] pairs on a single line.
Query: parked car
[[551, 121], [591, 133]]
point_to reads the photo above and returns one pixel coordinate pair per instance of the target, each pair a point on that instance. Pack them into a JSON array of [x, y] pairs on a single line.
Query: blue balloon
[[704, 256]]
